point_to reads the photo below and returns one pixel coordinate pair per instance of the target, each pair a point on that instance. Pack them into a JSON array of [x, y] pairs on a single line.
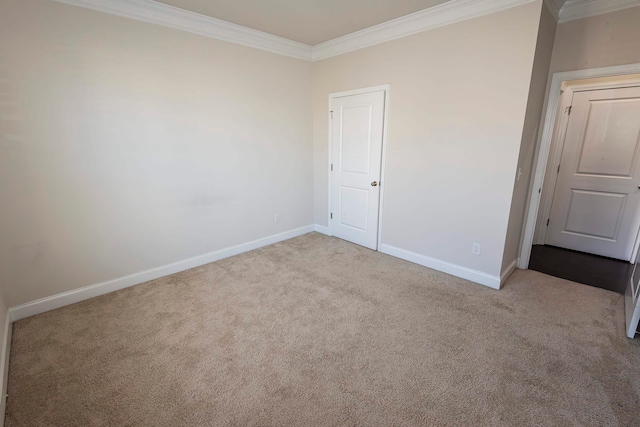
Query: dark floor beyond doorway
[[593, 270]]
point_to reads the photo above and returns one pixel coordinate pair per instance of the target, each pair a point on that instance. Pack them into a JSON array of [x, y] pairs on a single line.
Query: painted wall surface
[[458, 96], [599, 41], [537, 92], [126, 146]]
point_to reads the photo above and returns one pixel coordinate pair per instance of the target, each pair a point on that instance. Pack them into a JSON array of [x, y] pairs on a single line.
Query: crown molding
[[173, 17], [180, 19], [578, 9], [434, 17], [554, 6]]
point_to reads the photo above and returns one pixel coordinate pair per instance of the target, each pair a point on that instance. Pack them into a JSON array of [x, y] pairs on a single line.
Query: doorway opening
[[583, 220], [589, 217], [357, 149]]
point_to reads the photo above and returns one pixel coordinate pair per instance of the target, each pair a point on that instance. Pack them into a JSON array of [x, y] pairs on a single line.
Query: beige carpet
[[316, 331]]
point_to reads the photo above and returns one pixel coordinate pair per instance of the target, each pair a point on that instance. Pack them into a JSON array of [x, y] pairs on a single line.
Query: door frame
[[555, 155], [543, 146], [385, 127]]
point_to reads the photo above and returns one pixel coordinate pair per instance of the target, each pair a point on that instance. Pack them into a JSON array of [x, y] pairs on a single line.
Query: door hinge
[[569, 109], [331, 113], [548, 221], [331, 215], [558, 168], [331, 167]]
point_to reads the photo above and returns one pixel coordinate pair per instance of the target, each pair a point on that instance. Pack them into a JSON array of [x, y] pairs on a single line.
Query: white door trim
[[383, 181], [544, 145], [555, 154]]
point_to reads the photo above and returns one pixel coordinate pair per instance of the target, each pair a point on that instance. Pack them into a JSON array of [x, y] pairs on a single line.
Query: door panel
[[595, 214], [596, 202], [356, 140], [610, 145], [355, 144], [353, 207], [632, 301]]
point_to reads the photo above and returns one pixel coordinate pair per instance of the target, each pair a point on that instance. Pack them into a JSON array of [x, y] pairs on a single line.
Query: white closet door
[[596, 204], [356, 137]]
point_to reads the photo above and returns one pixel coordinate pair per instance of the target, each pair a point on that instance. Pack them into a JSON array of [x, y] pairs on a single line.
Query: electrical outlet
[[476, 248], [276, 217]]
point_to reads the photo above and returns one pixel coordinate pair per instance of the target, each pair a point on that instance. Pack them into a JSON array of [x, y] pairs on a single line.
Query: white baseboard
[[4, 364], [322, 229], [436, 264], [509, 270], [71, 297]]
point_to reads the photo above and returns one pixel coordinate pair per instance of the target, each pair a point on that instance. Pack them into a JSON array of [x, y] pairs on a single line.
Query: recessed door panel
[[354, 203], [595, 214], [610, 143], [596, 202], [355, 139]]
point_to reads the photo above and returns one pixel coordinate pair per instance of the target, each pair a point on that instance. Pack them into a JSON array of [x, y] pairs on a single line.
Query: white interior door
[[596, 204], [356, 149], [632, 301]]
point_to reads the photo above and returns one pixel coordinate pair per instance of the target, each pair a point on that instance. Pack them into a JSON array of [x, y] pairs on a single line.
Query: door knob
[[375, 184]]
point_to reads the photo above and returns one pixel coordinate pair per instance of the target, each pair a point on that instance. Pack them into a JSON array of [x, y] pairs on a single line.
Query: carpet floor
[[315, 331]]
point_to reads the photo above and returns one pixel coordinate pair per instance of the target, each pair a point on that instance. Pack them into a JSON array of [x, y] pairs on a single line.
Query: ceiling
[[306, 21]]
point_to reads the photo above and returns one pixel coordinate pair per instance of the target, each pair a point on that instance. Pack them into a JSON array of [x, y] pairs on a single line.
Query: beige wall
[[126, 146], [457, 107], [537, 92], [599, 41]]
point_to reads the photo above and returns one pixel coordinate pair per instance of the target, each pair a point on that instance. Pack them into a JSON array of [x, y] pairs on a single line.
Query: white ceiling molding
[[578, 9], [434, 17], [180, 19], [554, 7], [173, 17], [437, 16]]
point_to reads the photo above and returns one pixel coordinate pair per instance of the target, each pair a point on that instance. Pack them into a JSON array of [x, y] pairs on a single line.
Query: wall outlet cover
[[476, 248]]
